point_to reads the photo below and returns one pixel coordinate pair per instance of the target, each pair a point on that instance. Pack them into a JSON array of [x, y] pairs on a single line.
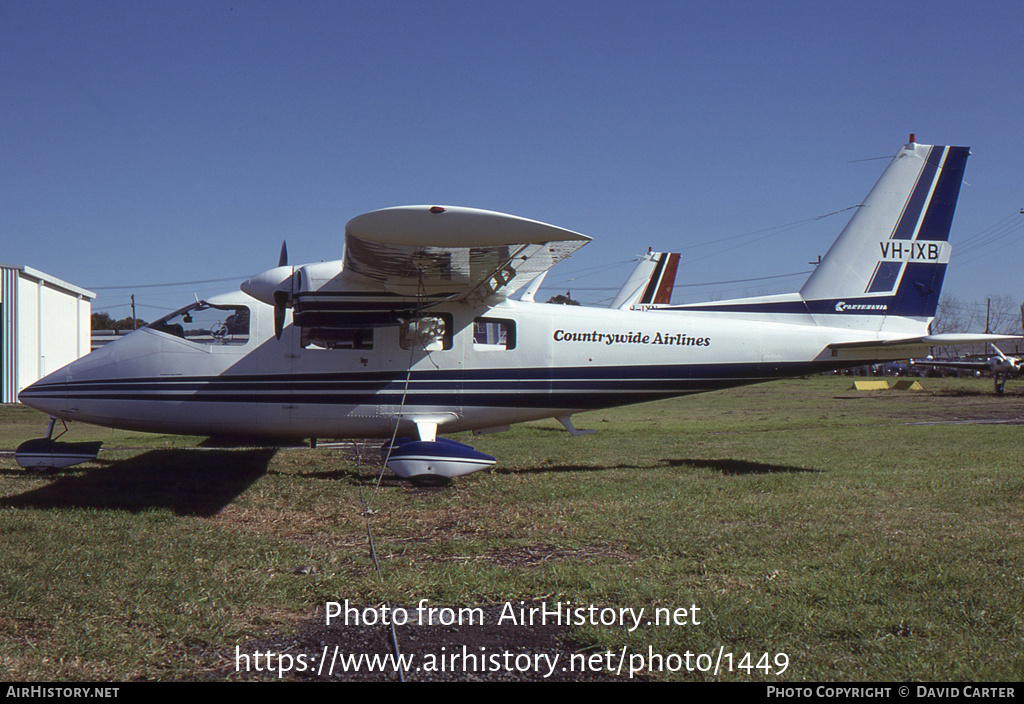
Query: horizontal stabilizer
[[926, 340]]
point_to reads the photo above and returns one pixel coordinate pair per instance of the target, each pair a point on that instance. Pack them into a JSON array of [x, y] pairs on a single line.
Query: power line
[[178, 283], [703, 283], [774, 230], [740, 281]]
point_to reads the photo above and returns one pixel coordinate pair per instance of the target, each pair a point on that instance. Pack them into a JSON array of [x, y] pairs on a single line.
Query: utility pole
[[133, 311]]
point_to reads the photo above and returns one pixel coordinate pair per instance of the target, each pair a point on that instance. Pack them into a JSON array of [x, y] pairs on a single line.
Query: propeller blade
[[283, 259], [280, 300]]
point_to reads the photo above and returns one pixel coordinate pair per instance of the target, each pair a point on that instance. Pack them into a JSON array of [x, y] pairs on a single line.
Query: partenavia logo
[[843, 306]]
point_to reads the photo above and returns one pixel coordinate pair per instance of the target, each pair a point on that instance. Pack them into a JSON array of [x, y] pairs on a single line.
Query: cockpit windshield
[[207, 324]]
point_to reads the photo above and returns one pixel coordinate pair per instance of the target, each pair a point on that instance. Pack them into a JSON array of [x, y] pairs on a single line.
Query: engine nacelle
[[263, 286]]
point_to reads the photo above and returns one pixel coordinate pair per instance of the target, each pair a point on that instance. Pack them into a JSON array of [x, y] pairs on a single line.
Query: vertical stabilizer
[[891, 257]]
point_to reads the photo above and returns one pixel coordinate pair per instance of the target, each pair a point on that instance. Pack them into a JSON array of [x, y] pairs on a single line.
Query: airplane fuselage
[[485, 368]]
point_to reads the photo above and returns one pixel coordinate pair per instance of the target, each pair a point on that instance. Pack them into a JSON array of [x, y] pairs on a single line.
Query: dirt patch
[[946, 405]]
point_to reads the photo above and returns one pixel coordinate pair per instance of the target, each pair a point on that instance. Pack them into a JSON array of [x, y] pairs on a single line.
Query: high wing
[[400, 261], [459, 253]]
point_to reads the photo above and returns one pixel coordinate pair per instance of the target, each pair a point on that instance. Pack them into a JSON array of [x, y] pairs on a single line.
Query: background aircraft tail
[[650, 283]]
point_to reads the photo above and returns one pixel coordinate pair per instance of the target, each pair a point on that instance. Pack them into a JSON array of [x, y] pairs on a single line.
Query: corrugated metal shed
[[44, 324]]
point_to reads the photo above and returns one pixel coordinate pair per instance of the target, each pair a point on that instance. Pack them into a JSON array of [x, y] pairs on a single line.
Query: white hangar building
[[44, 324]]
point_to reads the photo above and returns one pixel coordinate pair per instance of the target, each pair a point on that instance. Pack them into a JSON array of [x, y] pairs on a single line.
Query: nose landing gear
[[48, 453]]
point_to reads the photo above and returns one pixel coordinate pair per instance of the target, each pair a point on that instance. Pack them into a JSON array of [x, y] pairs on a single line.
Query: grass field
[[849, 535]]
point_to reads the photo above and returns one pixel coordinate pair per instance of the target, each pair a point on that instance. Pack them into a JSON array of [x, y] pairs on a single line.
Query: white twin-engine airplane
[[415, 332], [1001, 367]]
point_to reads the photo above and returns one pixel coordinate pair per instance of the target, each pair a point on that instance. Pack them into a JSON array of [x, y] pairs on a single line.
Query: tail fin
[[891, 257], [650, 283]]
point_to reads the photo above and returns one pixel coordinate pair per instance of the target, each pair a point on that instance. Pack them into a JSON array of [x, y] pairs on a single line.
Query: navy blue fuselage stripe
[[780, 307], [879, 305], [564, 393], [542, 400], [397, 386]]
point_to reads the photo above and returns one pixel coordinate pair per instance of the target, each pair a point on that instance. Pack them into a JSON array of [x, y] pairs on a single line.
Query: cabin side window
[[494, 334], [428, 332], [337, 338], [207, 324]]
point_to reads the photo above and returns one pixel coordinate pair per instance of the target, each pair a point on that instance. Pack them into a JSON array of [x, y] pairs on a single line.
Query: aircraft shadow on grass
[[558, 468], [193, 483], [739, 467], [190, 483], [367, 475], [726, 467]]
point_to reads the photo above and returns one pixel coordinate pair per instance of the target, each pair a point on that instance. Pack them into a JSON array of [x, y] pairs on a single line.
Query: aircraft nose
[[49, 394]]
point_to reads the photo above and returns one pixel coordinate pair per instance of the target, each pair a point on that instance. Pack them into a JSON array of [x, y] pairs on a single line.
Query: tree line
[[103, 321], [998, 314]]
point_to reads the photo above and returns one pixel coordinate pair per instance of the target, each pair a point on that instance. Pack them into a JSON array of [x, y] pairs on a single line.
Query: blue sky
[[149, 142]]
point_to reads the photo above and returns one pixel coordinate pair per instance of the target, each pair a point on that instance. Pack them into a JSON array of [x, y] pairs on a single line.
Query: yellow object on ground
[[907, 385], [869, 385]]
